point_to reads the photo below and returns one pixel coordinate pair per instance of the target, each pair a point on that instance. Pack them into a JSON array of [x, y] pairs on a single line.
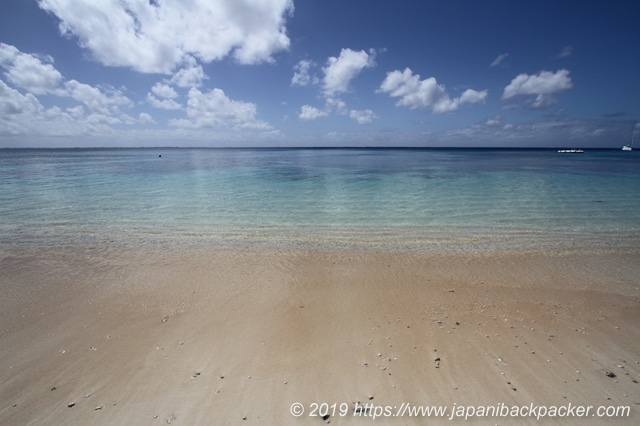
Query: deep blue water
[[72, 193]]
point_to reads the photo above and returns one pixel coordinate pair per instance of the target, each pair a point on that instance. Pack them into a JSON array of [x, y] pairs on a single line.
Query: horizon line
[[349, 147]]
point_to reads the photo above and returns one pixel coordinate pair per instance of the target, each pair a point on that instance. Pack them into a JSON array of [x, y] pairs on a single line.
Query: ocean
[[431, 199]]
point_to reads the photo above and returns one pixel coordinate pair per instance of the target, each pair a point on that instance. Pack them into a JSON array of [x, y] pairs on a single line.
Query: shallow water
[[412, 197]]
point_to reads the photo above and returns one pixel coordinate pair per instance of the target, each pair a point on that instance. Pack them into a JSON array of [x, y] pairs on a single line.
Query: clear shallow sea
[[425, 198]]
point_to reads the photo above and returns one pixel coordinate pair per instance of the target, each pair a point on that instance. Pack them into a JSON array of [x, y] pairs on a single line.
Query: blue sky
[[318, 73]]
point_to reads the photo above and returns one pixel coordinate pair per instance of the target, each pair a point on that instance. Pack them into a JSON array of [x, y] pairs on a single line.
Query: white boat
[[571, 151], [629, 147]]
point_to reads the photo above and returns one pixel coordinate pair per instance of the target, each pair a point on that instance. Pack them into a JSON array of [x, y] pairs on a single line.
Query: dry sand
[[235, 336]]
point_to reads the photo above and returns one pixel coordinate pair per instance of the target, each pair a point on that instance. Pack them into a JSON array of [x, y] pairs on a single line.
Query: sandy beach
[[194, 336]]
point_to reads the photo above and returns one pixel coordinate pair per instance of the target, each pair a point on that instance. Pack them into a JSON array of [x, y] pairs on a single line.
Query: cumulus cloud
[[156, 37], [168, 104], [190, 75], [308, 113], [301, 76], [471, 96], [145, 118], [337, 105], [162, 90], [99, 101], [33, 73], [338, 75], [162, 96], [493, 121], [338, 72], [415, 93], [542, 87], [14, 103], [29, 72], [341, 70], [362, 116], [214, 109], [23, 115]]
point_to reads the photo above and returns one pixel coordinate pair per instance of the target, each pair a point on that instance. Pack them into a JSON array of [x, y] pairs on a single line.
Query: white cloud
[[543, 86], [168, 104], [301, 75], [544, 83], [498, 60], [155, 37], [145, 118], [341, 70], [23, 115], [28, 71], [337, 105], [415, 93], [162, 97], [8, 54], [14, 103], [190, 75], [338, 74], [362, 116], [162, 90], [493, 121], [95, 99], [103, 119], [471, 96], [308, 113], [76, 111], [214, 109]]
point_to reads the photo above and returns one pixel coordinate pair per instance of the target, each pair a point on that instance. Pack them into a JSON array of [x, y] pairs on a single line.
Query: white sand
[[236, 336]]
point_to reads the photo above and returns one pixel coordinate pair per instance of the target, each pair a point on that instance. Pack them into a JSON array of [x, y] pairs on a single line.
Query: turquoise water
[[404, 196]]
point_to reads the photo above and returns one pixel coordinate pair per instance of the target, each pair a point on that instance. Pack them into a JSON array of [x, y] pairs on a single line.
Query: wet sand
[[236, 336]]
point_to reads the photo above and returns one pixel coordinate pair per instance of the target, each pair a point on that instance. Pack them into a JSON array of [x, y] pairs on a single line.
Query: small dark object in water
[[160, 156]]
